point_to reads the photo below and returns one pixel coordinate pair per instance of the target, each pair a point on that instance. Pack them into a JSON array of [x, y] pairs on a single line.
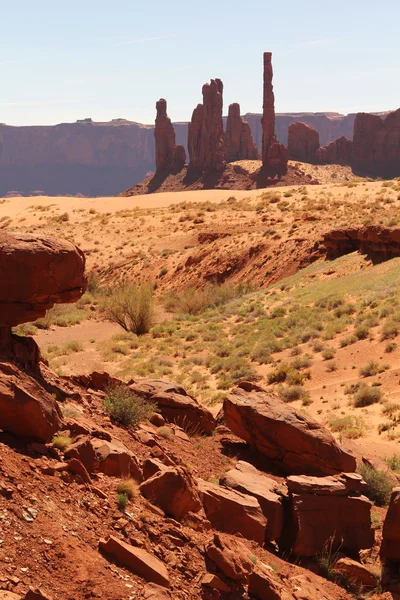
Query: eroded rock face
[[377, 242], [26, 409], [297, 443], [274, 154], [329, 510], [376, 145], [338, 152], [233, 512], [231, 556], [168, 156], [239, 143], [303, 142], [206, 133], [247, 479], [37, 272]]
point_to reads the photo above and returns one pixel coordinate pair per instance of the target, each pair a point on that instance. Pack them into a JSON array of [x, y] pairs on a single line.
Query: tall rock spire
[[168, 155], [274, 154]]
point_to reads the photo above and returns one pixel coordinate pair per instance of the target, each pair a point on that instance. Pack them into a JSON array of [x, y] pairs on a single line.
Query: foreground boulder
[[37, 272], [264, 585], [231, 557], [296, 442], [26, 409], [137, 560], [355, 572], [328, 513], [247, 479], [174, 491], [233, 512]]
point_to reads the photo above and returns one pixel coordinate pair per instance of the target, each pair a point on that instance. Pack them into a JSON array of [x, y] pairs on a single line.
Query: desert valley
[[200, 368]]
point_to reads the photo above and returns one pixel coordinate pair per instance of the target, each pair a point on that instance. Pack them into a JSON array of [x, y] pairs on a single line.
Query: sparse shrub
[[61, 442], [125, 407], [165, 432], [393, 462], [361, 332], [93, 283], [366, 395], [291, 393], [390, 347], [379, 485], [122, 500], [129, 487], [389, 330], [193, 301], [131, 307], [350, 426], [331, 366], [372, 368], [347, 341], [328, 353]]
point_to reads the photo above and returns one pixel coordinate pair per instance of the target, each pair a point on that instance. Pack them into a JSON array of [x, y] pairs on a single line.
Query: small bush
[[131, 307], [122, 500], [128, 487], [361, 332], [366, 395], [389, 330], [350, 426], [291, 393], [193, 301], [379, 485], [125, 407], [61, 442], [390, 347], [372, 368], [328, 353], [393, 462]]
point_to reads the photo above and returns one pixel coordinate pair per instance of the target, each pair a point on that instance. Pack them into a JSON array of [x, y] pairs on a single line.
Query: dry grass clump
[[125, 407], [193, 301], [350, 426], [129, 487], [372, 368], [131, 307], [61, 442]]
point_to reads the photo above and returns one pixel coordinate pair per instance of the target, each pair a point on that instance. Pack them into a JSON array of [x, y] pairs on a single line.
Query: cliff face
[[376, 145]]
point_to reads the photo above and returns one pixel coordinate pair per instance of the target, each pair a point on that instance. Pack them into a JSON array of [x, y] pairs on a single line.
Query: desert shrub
[[25, 329], [372, 368], [193, 301], [129, 487], [291, 393], [61, 442], [393, 462], [350, 426], [131, 307], [73, 346], [389, 330], [328, 353], [361, 332], [93, 283], [390, 347], [379, 485], [125, 407], [122, 500], [347, 341], [366, 395]]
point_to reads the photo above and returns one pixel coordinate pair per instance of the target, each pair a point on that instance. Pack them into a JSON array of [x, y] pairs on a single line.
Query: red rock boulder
[[233, 512], [294, 441], [231, 557], [328, 512]]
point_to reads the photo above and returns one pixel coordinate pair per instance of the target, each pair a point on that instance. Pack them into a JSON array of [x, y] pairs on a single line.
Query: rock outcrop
[[169, 156], [233, 512], [294, 441], [274, 154], [338, 152], [312, 499], [377, 242], [390, 547], [239, 143], [303, 142], [206, 130], [37, 272], [376, 145], [247, 479]]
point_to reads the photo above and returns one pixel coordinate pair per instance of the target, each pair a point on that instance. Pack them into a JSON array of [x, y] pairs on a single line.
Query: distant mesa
[[374, 150]]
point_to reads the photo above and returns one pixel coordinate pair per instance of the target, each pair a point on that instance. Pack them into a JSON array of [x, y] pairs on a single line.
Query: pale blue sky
[[62, 60]]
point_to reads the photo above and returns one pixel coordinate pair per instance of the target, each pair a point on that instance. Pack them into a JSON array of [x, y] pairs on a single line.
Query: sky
[[72, 59]]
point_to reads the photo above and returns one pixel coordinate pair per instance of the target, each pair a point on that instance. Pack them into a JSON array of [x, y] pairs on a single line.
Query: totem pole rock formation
[[274, 154], [239, 143], [303, 142], [206, 133], [169, 156]]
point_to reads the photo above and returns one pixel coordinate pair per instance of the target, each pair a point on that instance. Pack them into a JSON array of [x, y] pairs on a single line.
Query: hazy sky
[[63, 60]]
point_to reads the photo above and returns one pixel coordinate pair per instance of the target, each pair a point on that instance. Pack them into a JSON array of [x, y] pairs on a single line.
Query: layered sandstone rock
[[274, 154], [26, 409], [377, 242], [37, 272], [239, 143], [247, 479], [233, 512], [376, 145], [231, 556], [303, 142], [174, 491], [137, 560], [328, 511], [206, 132], [297, 443], [169, 156]]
